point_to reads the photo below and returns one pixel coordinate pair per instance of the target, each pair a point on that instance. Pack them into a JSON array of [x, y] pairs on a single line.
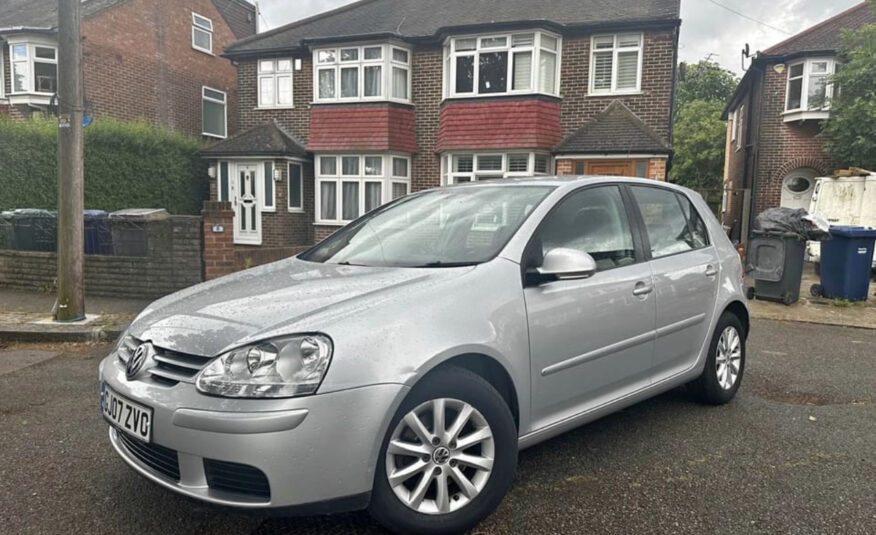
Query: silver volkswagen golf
[[402, 363]]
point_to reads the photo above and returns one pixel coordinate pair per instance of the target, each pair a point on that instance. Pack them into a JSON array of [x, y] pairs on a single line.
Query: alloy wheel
[[729, 357], [440, 456]]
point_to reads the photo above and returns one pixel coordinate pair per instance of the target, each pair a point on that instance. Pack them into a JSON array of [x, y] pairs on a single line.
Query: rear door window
[[672, 223]]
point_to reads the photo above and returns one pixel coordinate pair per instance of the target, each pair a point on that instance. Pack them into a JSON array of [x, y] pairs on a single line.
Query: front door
[[611, 168], [591, 340], [247, 213]]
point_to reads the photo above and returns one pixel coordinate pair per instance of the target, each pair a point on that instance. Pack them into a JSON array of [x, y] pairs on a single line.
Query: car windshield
[[438, 228]]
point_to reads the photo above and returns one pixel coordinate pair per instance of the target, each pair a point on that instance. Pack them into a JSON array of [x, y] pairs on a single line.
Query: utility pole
[[71, 202]]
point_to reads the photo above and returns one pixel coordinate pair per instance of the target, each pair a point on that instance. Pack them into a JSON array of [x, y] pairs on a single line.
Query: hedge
[[127, 165]]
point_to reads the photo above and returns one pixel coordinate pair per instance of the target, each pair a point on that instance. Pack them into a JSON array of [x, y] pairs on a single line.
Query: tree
[[851, 130], [699, 145], [703, 90]]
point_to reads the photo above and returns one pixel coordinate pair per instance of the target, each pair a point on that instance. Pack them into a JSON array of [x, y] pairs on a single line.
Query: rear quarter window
[[672, 223]]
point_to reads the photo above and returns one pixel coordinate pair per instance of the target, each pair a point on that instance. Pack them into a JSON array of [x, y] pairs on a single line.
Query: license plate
[[125, 415]]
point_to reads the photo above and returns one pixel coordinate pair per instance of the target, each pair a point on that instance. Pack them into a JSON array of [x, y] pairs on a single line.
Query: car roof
[[568, 182]]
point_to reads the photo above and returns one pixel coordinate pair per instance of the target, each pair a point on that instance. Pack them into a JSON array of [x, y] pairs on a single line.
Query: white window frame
[[30, 81], [386, 179], [202, 27], [615, 50], [289, 207], [273, 77], [264, 177], [2, 70], [734, 117], [449, 176], [805, 111], [386, 64], [737, 125], [451, 55], [224, 103]]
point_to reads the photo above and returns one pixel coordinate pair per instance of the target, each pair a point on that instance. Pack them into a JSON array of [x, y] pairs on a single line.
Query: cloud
[[706, 28]]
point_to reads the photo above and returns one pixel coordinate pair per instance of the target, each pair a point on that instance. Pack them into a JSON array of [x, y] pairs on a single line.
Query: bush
[[127, 165]]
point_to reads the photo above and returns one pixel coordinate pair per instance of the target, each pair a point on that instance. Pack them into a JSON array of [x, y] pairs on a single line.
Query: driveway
[[794, 453]]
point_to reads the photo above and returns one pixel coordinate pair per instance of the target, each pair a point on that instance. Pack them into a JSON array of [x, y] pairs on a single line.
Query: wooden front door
[[612, 167]]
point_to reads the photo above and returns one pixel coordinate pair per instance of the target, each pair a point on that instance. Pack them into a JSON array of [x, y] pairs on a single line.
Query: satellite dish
[[746, 51]]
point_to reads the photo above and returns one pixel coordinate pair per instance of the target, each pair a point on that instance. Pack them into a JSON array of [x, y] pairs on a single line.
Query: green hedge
[[127, 165]]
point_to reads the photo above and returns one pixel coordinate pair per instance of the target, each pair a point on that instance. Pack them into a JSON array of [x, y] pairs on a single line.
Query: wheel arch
[[489, 369], [738, 309]]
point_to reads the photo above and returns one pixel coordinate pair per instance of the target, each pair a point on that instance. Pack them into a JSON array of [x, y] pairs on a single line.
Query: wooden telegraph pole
[[71, 203]]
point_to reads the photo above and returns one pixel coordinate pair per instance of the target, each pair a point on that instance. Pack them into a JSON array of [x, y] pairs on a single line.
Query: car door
[[685, 268], [591, 339]]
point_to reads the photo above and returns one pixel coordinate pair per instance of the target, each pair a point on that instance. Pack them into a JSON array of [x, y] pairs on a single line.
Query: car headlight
[[278, 368]]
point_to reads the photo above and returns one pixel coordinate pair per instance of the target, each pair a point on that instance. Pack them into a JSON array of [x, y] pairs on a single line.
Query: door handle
[[642, 289], [711, 271]]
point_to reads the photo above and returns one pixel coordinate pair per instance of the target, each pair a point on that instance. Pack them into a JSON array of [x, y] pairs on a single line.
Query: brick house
[[774, 149], [157, 60], [379, 98]]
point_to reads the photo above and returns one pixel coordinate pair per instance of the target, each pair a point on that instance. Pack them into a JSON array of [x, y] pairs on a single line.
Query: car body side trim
[[680, 325], [599, 353], [239, 423]]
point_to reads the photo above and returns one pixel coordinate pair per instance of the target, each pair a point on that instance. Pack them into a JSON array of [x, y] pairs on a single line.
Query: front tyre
[[448, 458], [725, 363]]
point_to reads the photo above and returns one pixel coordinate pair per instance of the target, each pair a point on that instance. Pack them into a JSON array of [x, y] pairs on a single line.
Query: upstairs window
[[213, 112], [616, 64], [809, 86], [202, 33], [505, 64], [34, 68], [362, 73], [275, 83]]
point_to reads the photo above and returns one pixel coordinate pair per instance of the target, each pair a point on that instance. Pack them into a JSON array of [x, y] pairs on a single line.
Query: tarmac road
[[794, 453]]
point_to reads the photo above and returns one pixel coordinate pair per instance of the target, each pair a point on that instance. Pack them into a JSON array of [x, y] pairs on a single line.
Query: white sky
[[706, 28]]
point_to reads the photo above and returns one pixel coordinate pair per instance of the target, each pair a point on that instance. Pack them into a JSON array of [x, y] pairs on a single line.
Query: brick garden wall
[[173, 262]]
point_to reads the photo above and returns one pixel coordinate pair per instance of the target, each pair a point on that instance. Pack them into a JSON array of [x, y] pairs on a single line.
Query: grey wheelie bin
[[776, 262]]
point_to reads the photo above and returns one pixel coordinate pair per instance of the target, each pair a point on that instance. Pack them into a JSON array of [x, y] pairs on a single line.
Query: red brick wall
[[140, 64], [784, 146], [652, 105], [218, 246]]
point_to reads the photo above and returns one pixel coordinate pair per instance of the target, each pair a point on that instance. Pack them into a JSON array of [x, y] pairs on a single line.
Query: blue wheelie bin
[[98, 238], [846, 261]]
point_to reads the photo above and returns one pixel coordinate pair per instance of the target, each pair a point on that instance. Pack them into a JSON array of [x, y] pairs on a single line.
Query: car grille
[[236, 478], [171, 367], [163, 460]]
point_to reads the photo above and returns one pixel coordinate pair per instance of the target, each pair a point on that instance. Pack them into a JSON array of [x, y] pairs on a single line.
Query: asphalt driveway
[[794, 453]]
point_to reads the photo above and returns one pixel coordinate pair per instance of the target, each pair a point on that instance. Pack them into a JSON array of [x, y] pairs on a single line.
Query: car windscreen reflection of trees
[[440, 228]]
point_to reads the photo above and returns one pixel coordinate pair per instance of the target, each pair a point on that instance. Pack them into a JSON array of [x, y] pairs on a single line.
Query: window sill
[[805, 115], [615, 94], [214, 136], [330, 223], [204, 51], [501, 95], [295, 210], [35, 99], [268, 210], [270, 108], [362, 101]]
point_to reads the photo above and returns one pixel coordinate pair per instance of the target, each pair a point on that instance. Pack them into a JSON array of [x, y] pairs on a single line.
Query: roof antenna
[[398, 29], [746, 53]]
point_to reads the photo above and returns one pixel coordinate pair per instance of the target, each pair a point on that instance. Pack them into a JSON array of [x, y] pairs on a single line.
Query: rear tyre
[[725, 363], [448, 457], [749, 293]]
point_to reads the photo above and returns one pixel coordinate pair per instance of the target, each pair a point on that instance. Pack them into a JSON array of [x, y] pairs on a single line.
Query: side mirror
[[566, 264]]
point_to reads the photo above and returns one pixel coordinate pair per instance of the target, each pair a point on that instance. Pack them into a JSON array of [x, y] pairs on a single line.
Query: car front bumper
[[314, 450]]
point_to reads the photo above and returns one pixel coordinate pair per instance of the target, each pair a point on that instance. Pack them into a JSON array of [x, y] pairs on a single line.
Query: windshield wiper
[[439, 263]]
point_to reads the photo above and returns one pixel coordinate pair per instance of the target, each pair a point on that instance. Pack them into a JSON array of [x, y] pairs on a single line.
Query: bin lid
[[96, 214], [853, 232], [140, 214], [33, 212]]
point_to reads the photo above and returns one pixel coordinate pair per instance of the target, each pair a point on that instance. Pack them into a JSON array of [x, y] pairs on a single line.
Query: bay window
[[362, 73], [809, 88], [471, 167], [275, 83], [34, 68], [616, 63], [506, 64], [351, 185]]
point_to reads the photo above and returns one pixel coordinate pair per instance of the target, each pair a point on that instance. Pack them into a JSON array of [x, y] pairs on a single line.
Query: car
[[401, 364]]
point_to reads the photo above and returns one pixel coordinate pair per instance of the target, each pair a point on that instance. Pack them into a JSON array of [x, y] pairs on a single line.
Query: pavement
[[810, 309], [793, 453], [27, 316]]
